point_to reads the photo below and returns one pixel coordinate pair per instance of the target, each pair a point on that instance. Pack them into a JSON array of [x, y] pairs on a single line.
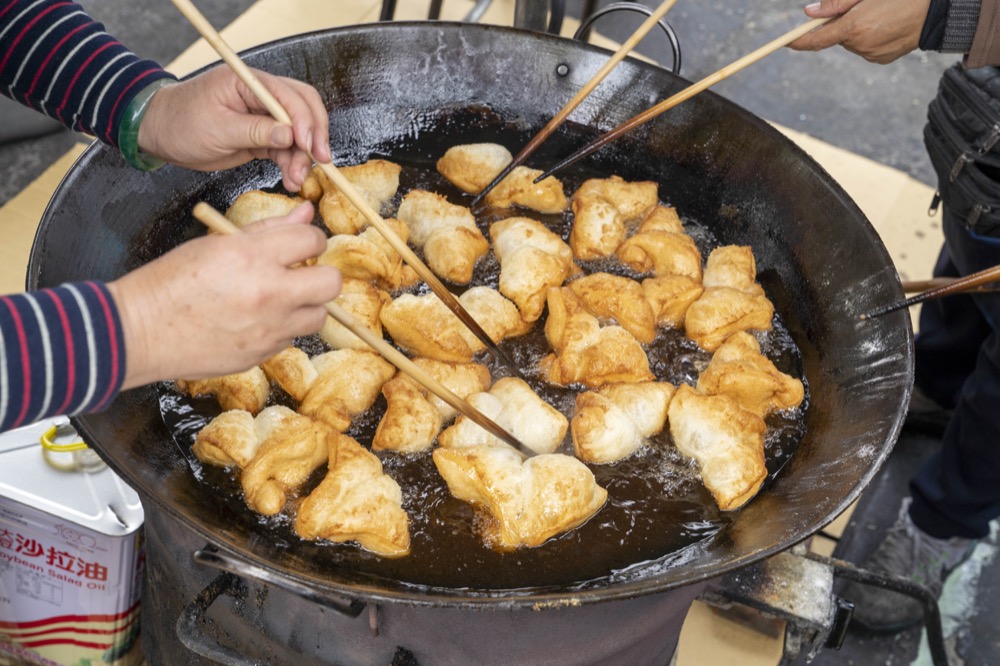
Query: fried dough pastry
[[670, 296], [495, 314], [739, 370], [472, 166], [413, 416], [616, 420], [529, 501], [425, 326], [726, 441], [451, 241], [292, 370], [632, 199], [376, 181], [532, 259], [661, 246], [520, 189], [609, 296], [257, 205], [341, 216], [364, 302], [379, 177], [348, 382], [243, 390], [511, 404], [587, 353], [292, 447], [356, 501], [368, 256], [598, 228], [732, 300], [228, 439]]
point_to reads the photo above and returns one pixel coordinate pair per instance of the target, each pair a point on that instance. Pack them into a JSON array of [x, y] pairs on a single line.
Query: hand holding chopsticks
[[686, 94], [587, 88], [972, 282], [217, 222], [274, 107]]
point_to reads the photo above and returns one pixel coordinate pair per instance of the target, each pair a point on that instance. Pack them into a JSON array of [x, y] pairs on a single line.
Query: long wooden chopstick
[[686, 94], [279, 113], [218, 222], [971, 282], [914, 286], [587, 88]]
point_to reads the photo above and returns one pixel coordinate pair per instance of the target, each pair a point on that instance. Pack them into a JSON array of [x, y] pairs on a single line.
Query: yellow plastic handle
[[49, 443]]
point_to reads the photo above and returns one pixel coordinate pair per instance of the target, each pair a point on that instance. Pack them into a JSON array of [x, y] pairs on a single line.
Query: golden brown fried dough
[[413, 416], [739, 370], [732, 300], [348, 382], [473, 166], [530, 501], [292, 447], [670, 296], [726, 441], [256, 205], [532, 259], [364, 302], [243, 390], [617, 298], [519, 189], [356, 501], [451, 241], [587, 353], [632, 199], [616, 420]]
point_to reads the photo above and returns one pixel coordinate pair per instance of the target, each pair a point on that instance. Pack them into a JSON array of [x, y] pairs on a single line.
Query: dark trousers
[[957, 491]]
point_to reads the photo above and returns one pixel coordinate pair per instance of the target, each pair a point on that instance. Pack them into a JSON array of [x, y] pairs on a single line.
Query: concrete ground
[[874, 111]]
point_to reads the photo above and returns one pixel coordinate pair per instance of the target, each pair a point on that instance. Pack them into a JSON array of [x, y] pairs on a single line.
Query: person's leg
[[957, 491], [947, 343]]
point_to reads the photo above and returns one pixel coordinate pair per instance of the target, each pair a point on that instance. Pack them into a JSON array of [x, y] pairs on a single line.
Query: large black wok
[[408, 91]]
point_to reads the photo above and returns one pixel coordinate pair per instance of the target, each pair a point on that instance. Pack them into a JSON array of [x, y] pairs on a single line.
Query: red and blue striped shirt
[[62, 350]]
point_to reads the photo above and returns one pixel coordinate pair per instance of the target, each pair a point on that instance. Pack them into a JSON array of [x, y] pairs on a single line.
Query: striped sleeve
[[62, 351], [57, 60]]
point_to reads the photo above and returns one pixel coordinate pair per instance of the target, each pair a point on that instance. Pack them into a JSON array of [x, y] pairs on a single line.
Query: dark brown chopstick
[[972, 282]]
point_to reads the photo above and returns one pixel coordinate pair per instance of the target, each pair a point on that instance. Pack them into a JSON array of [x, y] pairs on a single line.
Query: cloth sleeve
[[57, 60], [62, 352]]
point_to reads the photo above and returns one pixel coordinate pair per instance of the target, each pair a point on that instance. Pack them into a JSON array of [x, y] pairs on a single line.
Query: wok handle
[[189, 632], [215, 558], [587, 24]]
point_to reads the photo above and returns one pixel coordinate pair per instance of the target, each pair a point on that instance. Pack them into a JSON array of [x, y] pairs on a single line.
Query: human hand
[[214, 121], [219, 304], [879, 31]]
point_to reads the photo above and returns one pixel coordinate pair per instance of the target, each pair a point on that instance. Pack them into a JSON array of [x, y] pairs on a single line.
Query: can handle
[[213, 557], [189, 631]]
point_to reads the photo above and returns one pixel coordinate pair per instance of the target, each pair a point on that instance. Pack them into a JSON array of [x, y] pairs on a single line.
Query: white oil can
[[71, 557]]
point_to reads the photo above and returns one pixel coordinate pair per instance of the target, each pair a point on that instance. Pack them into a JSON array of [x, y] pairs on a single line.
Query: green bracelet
[[128, 129]]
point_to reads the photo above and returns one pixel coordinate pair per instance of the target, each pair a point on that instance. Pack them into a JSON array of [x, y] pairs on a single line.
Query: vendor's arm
[[877, 30], [213, 306], [57, 60]]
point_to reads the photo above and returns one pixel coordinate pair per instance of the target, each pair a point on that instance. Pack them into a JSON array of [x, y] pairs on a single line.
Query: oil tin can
[[71, 554]]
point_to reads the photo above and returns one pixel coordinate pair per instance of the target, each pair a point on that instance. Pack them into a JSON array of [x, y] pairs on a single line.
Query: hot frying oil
[[656, 508]]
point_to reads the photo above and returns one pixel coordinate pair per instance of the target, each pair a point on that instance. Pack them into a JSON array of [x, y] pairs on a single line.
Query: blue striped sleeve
[[62, 351]]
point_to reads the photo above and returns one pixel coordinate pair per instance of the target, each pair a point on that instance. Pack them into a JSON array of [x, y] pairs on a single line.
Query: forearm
[[57, 60], [61, 352]]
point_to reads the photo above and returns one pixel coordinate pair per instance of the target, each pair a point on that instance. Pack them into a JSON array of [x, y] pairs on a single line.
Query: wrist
[[130, 125]]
